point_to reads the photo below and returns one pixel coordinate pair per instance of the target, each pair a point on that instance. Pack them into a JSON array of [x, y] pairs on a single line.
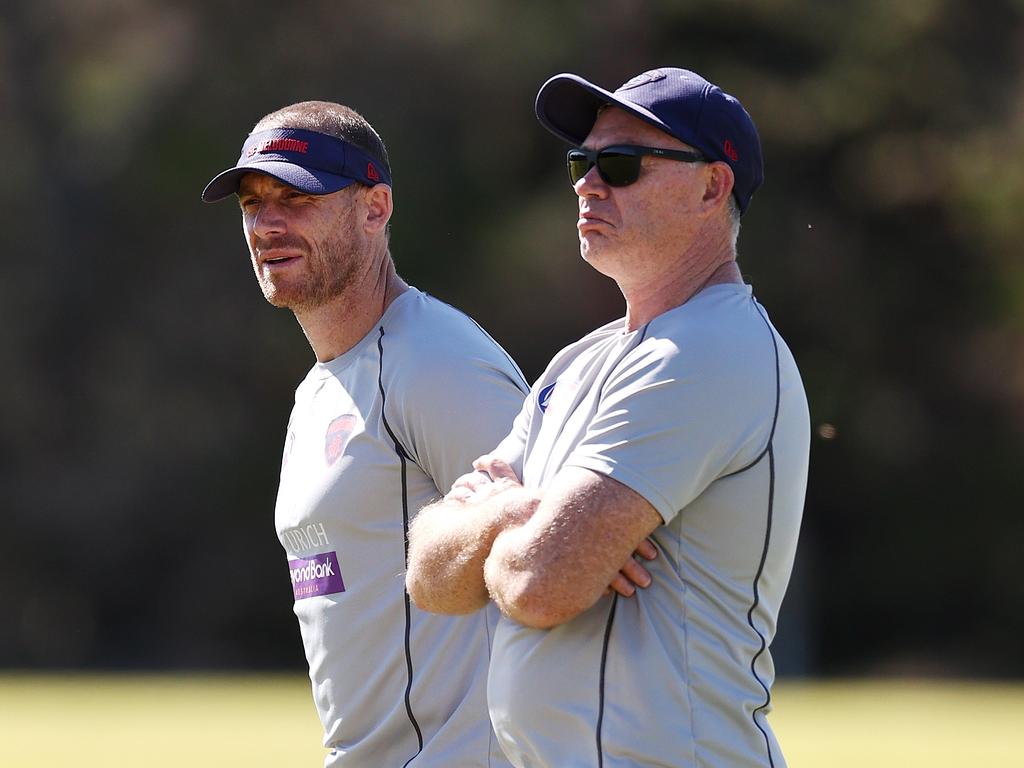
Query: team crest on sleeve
[[338, 433], [544, 396], [550, 400]]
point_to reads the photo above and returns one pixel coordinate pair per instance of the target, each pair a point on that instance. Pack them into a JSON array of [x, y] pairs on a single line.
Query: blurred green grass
[[268, 721], [900, 724], [158, 721]]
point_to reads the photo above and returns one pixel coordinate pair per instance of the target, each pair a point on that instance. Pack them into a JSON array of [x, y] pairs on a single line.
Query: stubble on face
[[641, 220], [331, 260]]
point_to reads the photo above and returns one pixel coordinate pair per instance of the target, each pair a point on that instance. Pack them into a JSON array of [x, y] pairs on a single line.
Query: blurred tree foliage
[[146, 384]]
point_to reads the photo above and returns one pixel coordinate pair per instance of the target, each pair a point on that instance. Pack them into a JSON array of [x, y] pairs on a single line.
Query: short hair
[[733, 211], [335, 120]]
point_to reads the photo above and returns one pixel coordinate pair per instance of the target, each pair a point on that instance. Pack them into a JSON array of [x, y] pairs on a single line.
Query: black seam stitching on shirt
[[778, 390], [523, 385], [601, 688], [770, 452], [405, 540], [757, 597]]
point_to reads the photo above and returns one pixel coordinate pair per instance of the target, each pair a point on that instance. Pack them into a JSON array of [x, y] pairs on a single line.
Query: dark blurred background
[[146, 385]]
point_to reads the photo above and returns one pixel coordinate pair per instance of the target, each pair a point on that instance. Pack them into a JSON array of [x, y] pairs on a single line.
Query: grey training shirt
[[701, 412], [376, 434]]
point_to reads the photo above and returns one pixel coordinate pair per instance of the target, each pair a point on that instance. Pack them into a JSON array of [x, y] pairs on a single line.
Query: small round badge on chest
[[338, 433]]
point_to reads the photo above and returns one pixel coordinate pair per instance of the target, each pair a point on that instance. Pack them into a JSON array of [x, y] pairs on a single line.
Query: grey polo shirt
[[701, 412], [376, 434]]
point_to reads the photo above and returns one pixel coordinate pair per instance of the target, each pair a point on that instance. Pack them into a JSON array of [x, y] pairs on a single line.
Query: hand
[[496, 469], [633, 574], [490, 476], [467, 486]]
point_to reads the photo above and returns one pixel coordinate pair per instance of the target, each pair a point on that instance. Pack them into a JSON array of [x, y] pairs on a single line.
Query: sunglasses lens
[[579, 164], [617, 169]]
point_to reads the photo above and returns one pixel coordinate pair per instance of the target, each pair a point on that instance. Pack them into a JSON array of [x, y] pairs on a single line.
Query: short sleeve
[[512, 448], [670, 421], [452, 410]]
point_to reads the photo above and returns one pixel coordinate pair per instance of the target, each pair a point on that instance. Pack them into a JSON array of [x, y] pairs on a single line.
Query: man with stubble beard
[[683, 425], [405, 392]]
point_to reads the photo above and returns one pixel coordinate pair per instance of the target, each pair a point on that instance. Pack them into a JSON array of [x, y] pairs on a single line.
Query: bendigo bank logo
[[315, 576], [338, 434]]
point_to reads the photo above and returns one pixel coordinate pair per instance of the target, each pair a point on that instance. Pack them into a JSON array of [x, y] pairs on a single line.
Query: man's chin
[[592, 253], [297, 302], [593, 244], [281, 299], [603, 260], [276, 301]]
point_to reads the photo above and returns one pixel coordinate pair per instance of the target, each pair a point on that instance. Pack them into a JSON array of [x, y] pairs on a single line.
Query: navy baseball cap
[[679, 102], [309, 161]]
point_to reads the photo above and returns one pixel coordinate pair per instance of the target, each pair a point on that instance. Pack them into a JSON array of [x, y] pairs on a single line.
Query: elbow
[[424, 595], [435, 602], [440, 595], [416, 585], [538, 611], [425, 590], [534, 616], [418, 592], [526, 599]]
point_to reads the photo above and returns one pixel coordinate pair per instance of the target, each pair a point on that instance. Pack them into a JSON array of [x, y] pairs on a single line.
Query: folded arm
[[455, 566], [560, 561], [449, 540]]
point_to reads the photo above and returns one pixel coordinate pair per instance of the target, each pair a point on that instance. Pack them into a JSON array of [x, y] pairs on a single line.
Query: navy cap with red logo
[[679, 102], [309, 161]]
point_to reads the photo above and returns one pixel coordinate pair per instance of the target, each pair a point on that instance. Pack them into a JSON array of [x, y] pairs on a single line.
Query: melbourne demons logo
[[338, 434], [544, 397]]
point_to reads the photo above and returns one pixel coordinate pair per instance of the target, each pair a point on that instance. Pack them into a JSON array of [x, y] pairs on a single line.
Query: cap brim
[[312, 182], [567, 105]]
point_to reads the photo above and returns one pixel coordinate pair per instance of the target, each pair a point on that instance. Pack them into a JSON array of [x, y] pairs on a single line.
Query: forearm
[[448, 544], [557, 565], [527, 589]]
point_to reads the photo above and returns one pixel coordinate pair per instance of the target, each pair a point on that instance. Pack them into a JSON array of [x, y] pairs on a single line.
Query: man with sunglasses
[[683, 425], [405, 391]]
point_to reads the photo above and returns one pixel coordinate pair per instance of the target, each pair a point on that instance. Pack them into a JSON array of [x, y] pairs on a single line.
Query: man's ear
[[719, 184], [379, 207]]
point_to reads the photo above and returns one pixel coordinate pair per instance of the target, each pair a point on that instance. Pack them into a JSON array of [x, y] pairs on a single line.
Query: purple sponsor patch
[[319, 575]]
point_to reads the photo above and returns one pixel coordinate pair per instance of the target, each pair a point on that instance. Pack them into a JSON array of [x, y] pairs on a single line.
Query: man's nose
[[270, 220], [591, 184]]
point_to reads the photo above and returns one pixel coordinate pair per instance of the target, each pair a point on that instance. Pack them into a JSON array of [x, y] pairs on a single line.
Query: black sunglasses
[[619, 165]]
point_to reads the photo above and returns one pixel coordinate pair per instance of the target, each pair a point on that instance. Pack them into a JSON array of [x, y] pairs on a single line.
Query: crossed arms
[[543, 556]]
